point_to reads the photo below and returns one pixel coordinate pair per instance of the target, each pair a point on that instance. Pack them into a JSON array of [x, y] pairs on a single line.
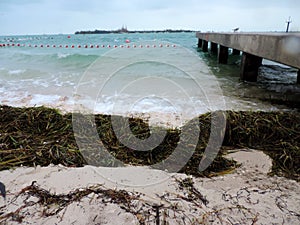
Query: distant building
[[123, 30]]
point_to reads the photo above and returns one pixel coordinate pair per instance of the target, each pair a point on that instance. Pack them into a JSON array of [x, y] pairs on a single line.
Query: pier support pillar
[[236, 52], [205, 46], [199, 43], [298, 76], [214, 48], [249, 67], [223, 54]]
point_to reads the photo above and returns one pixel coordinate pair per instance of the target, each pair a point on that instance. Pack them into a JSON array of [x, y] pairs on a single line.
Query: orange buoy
[[69, 36]]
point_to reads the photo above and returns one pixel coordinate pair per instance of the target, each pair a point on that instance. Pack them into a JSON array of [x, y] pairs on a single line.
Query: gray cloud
[[30, 16]]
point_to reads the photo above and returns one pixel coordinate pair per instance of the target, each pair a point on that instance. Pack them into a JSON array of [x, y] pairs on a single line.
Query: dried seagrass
[[41, 136]]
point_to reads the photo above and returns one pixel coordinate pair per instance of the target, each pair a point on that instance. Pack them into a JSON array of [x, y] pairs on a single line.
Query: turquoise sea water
[[37, 73]]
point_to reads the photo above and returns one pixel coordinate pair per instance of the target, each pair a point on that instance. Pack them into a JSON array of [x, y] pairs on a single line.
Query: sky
[[19, 17]]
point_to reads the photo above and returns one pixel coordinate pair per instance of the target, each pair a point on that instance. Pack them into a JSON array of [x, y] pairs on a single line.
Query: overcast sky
[[68, 16]]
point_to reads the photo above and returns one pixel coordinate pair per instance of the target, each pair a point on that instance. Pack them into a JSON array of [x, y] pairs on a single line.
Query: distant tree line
[[124, 30]]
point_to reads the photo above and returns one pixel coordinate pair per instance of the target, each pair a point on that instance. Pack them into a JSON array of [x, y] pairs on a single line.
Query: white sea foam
[[16, 72], [63, 55], [44, 99]]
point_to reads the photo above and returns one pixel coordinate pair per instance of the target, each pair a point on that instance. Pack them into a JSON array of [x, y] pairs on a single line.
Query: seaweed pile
[[33, 202], [275, 133], [43, 136], [52, 204]]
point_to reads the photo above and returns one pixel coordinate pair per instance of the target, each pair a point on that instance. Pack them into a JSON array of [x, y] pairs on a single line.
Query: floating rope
[[87, 46]]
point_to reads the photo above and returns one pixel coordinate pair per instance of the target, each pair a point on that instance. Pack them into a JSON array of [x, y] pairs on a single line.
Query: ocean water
[[160, 76]]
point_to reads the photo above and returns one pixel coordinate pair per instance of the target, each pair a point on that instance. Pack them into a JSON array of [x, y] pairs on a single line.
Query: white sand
[[245, 196]]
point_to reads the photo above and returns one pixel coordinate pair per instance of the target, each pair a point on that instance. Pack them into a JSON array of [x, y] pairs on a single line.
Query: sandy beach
[[140, 195], [149, 112]]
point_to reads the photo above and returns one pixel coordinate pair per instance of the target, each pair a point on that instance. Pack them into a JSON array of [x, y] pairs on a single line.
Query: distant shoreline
[[124, 31]]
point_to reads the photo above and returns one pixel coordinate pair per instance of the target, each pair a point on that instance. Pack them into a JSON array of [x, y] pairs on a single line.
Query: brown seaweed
[[43, 136]]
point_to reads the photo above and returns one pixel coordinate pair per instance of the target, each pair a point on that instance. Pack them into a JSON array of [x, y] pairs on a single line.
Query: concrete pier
[[200, 43], [205, 46], [214, 48], [223, 54], [279, 47], [236, 52], [249, 66]]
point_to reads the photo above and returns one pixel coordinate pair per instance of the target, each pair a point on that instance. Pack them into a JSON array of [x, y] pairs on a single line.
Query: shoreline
[[125, 31]]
